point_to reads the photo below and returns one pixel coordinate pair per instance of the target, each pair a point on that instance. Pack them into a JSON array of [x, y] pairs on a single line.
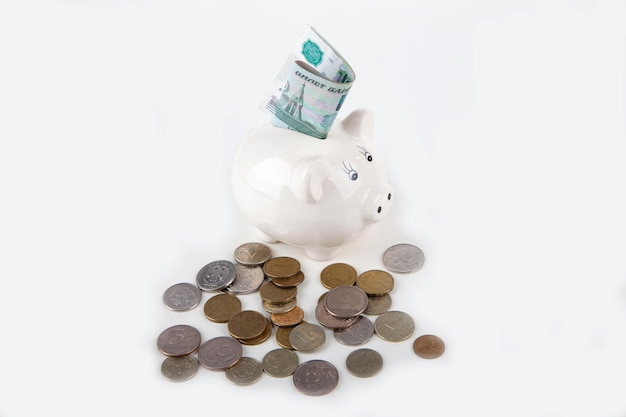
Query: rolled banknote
[[310, 88]]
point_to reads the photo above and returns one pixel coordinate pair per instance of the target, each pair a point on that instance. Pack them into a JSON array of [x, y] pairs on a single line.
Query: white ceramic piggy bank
[[316, 194]]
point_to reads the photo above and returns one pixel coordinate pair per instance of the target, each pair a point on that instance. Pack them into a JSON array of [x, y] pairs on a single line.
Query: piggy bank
[[316, 194]]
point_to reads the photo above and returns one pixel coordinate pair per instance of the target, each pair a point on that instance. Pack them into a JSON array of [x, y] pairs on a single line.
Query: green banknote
[[310, 88]]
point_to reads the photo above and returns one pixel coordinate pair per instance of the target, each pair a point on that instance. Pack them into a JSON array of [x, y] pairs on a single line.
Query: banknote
[[310, 88]]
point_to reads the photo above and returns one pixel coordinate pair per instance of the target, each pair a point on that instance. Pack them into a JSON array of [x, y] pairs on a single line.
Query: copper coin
[[272, 293], [267, 332], [252, 253], [281, 267], [292, 281], [375, 282], [282, 337], [428, 346], [338, 274], [179, 340], [221, 307], [220, 353], [290, 318], [247, 324], [279, 307], [345, 301]]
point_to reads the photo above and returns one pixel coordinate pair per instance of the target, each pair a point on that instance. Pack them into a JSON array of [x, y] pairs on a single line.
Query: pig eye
[[352, 174], [365, 153]]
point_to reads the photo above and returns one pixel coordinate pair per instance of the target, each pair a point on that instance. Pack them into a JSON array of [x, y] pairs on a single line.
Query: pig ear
[[360, 123], [307, 178]]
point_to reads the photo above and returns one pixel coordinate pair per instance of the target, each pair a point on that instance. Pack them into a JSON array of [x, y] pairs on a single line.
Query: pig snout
[[377, 203]]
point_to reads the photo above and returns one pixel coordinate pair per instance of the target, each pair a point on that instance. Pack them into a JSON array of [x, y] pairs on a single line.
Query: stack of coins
[[278, 293]]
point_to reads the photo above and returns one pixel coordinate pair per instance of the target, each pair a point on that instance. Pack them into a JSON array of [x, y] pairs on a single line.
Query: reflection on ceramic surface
[[312, 193]]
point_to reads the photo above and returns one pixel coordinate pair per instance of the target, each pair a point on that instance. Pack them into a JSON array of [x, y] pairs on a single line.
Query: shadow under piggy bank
[[316, 194]]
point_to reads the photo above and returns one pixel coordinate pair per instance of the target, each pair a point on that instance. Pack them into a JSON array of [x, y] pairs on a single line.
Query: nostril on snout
[[389, 196], [380, 209]]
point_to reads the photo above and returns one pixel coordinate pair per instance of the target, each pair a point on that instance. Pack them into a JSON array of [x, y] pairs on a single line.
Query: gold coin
[[292, 281], [221, 307], [279, 307], [290, 318], [267, 332], [272, 293], [375, 282], [282, 337], [281, 267], [247, 325], [337, 274]]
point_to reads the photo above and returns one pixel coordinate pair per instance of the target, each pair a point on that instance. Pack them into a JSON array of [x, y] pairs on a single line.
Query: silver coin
[[252, 253], [220, 353], [403, 258], [345, 301], [378, 304], [280, 362], [359, 333], [328, 320], [178, 369], [394, 326], [246, 371], [247, 280], [216, 275], [364, 363], [316, 377], [182, 297], [179, 340], [307, 337]]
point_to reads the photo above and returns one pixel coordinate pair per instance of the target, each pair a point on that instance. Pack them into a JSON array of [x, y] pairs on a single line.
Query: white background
[[501, 125]]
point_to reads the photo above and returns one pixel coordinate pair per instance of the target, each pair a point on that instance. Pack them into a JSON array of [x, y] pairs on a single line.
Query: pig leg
[[265, 237], [320, 254]]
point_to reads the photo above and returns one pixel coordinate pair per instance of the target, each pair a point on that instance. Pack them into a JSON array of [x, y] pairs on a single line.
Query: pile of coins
[[342, 309]]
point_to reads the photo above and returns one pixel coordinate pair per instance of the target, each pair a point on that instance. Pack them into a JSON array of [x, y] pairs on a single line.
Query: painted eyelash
[[352, 174], [365, 153]]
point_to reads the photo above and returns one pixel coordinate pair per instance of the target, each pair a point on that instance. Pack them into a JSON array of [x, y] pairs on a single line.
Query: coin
[[290, 318], [219, 353], [394, 326], [428, 346], [364, 363], [345, 301], [338, 274], [272, 293], [216, 275], [221, 307], [265, 334], [279, 307], [182, 297], [332, 322], [315, 377], [378, 304], [307, 337], [252, 253], [180, 368], [292, 281], [248, 279], [247, 324], [282, 337], [245, 372], [359, 333], [280, 362], [179, 340], [375, 282], [281, 267], [403, 258]]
